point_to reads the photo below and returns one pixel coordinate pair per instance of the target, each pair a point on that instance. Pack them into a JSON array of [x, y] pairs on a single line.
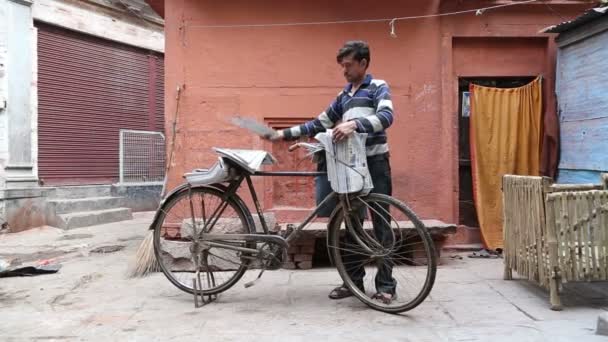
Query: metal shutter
[[88, 89]]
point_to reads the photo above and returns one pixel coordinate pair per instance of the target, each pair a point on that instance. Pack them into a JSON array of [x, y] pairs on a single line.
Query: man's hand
[[343, 130], [279, 135]]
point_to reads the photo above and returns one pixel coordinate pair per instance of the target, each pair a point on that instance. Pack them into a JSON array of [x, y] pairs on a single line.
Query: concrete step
[[469, 247], [84, 191], [65, 206], [464, 236], [91, 218]]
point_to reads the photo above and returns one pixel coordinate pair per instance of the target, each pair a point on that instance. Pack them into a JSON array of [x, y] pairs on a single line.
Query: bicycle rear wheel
[[385, 249], [220, 268]]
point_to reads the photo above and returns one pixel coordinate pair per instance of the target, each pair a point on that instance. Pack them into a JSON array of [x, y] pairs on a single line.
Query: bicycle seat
[[218, 173]]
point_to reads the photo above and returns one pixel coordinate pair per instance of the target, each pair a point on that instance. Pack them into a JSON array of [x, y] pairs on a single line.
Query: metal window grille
[[142, 157]]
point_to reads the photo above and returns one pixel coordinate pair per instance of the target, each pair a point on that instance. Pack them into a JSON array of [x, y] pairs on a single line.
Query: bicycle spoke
[[392, 255], [206, 209]]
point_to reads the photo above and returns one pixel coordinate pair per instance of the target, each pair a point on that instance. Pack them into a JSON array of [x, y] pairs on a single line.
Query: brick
[[306, 242], [289, 257], [171, 232], [302, 257], [419, 254], [293, 249], [304, 265], [307, 249], [289, 265]]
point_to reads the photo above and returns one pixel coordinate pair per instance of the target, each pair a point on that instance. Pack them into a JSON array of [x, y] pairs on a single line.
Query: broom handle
[[173, 134]]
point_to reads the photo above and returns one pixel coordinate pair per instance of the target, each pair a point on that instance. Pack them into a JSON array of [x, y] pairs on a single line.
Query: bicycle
[[204, 228]]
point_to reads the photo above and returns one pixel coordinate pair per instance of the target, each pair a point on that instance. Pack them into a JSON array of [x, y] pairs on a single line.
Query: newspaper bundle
[[346, 163]]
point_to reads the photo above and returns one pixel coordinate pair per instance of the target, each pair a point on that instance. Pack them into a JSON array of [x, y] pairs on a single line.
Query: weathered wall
[[21, 200], [3, 96], [582, 91], [108, 22], [287, 74]]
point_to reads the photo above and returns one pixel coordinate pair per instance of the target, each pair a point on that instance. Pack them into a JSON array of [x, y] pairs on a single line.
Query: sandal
[[340, 292], [384, 298], [486, 254]]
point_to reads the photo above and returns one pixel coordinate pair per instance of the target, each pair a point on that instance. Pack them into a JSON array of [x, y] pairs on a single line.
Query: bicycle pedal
[[250, 284]]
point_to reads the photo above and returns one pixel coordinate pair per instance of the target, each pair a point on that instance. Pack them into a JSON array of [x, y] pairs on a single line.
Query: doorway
[[467, 214]]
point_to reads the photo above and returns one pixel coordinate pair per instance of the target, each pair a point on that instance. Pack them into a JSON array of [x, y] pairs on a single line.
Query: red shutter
[[88, 89]]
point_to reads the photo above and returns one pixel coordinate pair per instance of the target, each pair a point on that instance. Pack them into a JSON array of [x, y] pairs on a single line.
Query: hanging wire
[[392, 24], [391, 21], [556, 12]]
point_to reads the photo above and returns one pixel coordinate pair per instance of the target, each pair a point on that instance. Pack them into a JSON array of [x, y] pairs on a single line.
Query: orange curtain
[[506, 133]]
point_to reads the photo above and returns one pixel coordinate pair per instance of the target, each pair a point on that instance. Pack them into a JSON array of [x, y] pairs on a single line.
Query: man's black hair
[[357, 48]]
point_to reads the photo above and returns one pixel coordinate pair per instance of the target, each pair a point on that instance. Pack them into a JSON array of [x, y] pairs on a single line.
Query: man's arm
[[383, 117], [325, 120]]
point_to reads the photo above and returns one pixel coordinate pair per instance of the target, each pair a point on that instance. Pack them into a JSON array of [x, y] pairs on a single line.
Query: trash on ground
[[27, 271], [4, 264], [107, 249]]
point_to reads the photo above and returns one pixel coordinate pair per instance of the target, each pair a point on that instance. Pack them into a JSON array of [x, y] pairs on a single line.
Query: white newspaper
[[251, 160], [346, 163]]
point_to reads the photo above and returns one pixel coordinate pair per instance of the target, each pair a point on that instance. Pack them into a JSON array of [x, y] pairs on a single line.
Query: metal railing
[[142, 157]]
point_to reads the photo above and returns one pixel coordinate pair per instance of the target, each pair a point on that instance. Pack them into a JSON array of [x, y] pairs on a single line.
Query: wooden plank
[[539, 227], [569, 260], [603, 236], [581, 90], [506, 231], [523, 224], [530, 231], [595, 239], [576, 235], [545, 267], [594, 229], [553, 228], [585, 242], [574, 187], [584, 145], [578, 176]]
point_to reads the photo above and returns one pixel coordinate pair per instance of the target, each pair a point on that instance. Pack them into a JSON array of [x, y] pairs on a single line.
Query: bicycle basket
[[346, 163]]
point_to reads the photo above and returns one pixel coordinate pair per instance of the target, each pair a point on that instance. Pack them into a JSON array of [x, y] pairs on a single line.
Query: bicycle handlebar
[[293, 147]]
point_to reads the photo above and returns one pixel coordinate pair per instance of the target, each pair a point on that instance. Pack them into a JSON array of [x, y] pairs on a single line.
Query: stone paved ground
[[91, 299]]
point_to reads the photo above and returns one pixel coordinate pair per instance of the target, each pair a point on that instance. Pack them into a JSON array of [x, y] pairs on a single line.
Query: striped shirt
[[370, 107]]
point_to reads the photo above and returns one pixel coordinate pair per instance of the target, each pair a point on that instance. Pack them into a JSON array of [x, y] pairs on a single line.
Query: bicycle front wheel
[[220, 268], [386, 251]]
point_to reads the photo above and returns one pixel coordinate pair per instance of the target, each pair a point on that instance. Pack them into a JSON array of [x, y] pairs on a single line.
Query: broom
[[145, 260]]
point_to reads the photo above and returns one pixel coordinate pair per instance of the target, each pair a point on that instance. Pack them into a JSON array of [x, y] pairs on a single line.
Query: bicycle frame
[[210, 238], [213, 240]]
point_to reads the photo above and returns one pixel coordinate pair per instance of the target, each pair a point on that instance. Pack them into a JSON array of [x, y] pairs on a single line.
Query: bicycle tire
[[239, 207], [338, 255]]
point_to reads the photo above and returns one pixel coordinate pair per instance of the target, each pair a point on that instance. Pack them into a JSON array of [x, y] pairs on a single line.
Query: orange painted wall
[[281, 72]]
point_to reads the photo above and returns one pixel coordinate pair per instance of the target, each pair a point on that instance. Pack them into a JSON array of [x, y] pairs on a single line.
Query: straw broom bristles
[[145, 260]]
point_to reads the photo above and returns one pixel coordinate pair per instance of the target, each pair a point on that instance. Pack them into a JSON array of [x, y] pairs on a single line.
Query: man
[[363, 106]]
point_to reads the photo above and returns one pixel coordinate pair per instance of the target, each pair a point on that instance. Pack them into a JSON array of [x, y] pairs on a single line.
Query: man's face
[[352, 69]]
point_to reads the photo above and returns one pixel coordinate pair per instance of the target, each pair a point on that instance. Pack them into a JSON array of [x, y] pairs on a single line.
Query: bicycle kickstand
[[197, 285]]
